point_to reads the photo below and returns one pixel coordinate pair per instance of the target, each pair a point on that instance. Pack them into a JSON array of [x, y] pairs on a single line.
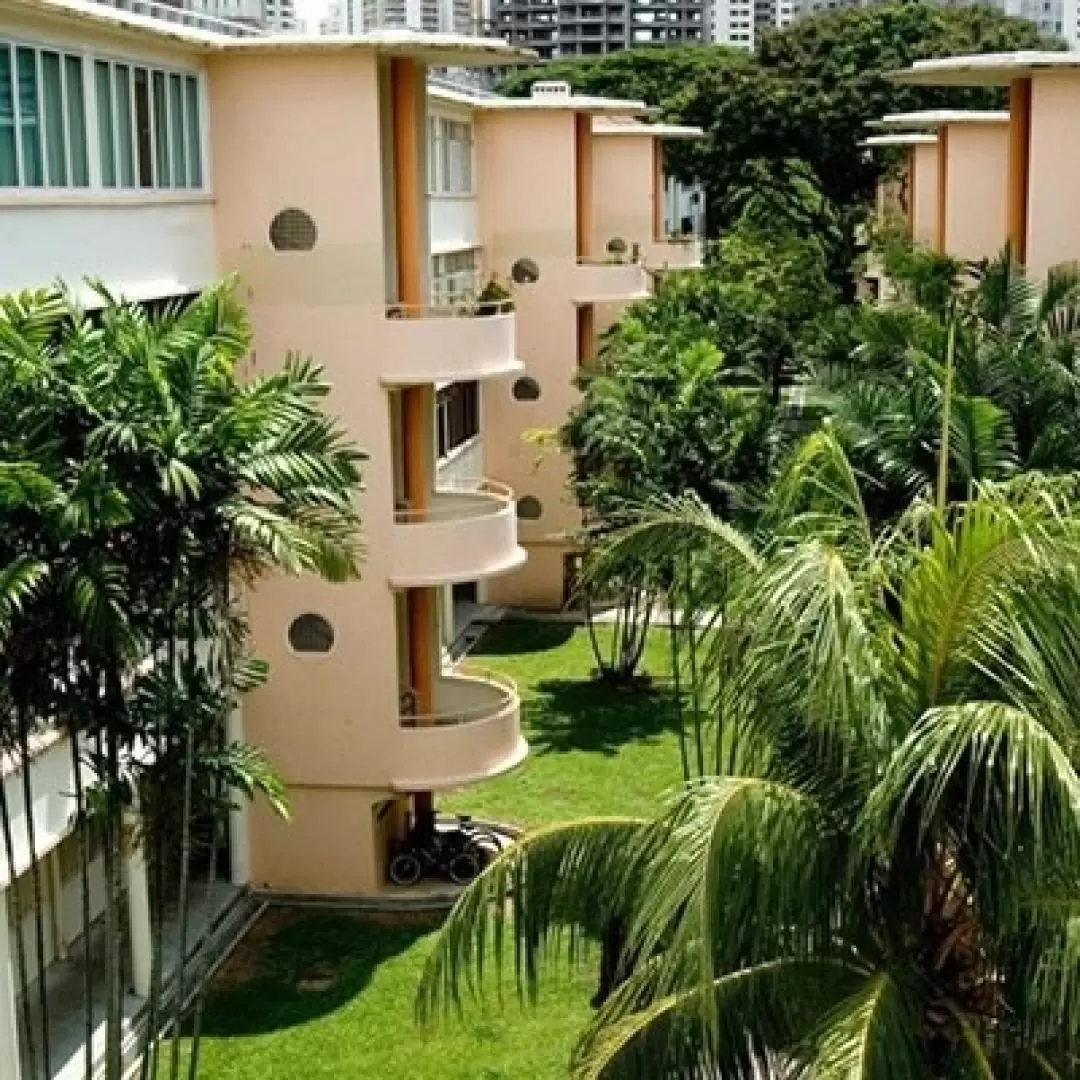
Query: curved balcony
[[599, 281], [679, 254], [474, 733], [446, 343], [468, 531]]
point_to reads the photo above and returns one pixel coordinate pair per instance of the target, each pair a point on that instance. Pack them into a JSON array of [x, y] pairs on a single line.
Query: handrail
[[460, 717], [472, 308], [609, 260], [492, 498]]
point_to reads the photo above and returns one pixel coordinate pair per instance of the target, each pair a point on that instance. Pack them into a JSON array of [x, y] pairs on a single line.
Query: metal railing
[[181, 15], [631, 258], [505, 694], [466, 308], [491, 498], [425, 16]]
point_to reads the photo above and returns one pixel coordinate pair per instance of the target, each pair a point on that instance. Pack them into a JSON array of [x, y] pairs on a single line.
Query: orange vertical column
[[941, 225], [1016, 225], [583, 182], [407, 90], [658, 188]]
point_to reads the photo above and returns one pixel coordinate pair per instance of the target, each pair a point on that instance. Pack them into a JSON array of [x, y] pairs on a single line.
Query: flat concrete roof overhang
[[626, 125], [901, 138], [936, 118], [486, 101], [985, 69], [450, 50]]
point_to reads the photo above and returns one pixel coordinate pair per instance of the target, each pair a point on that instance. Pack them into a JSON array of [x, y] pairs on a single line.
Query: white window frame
[[96, 187], [455, 276], [451, 160]]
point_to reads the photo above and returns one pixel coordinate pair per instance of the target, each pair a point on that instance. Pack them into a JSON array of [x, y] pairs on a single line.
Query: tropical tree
[[661, 411], [142, 481], [1012, 402], [879, 875]]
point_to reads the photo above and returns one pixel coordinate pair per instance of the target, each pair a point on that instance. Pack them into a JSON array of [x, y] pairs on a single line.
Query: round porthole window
[[525, 272], [529, 508], [293, 229], [311, 634], [526, 389]]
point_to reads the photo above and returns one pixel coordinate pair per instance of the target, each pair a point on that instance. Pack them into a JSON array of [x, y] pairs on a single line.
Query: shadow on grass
[[514, 637], [297, 967], [592, 716]]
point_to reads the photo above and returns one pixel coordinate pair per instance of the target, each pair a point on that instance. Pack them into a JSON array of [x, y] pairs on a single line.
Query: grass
[[593, 749], [326, 995]]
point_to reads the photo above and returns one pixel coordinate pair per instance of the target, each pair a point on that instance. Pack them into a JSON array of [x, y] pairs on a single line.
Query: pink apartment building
[[360, 210], [1044, 96]]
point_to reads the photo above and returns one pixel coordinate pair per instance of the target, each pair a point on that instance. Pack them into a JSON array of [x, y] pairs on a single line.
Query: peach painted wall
[[976, 189], [1053, 221], [623, 167], [926, 194], [525, 175], [296, 130]]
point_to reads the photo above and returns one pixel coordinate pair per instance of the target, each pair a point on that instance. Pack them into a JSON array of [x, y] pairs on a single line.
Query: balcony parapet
[[675, 253], [473, 734], [468, 531], [610, 280], [432, 343]]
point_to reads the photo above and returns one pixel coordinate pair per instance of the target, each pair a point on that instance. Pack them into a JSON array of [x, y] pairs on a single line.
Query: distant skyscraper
[[742, 22], [236, 17], [557, 28]]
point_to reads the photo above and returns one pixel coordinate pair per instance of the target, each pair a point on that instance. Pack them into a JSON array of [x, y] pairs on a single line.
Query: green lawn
[[318, 995]]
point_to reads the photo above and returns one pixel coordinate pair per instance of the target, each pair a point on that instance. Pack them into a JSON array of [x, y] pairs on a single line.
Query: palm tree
[[1013, 400], [143, 483], [881, 879]]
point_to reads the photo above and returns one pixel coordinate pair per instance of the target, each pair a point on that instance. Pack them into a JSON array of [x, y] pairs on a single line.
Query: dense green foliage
[[141, 484], [1014, 385], [805, 97], [877, 876]]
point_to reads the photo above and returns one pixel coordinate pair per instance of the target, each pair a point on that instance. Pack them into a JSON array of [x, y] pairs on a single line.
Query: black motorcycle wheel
[[463, 868], [405, 869]]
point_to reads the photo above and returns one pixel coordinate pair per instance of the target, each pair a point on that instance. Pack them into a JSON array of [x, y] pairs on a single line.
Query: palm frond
[[760, 1014], [552, 884]]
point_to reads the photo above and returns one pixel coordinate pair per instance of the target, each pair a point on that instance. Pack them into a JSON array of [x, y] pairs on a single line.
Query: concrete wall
[[1053, 223], [925, 194], [976, 189], [304, 131], [526, 171], [623, 177], [143, 247]]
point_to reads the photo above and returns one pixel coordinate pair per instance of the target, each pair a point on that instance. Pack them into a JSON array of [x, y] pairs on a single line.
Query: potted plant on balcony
[[616, 250], [494, 298]]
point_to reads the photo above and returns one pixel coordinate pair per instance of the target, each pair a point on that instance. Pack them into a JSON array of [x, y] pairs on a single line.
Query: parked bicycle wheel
[[405, 869], [463, 868]]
